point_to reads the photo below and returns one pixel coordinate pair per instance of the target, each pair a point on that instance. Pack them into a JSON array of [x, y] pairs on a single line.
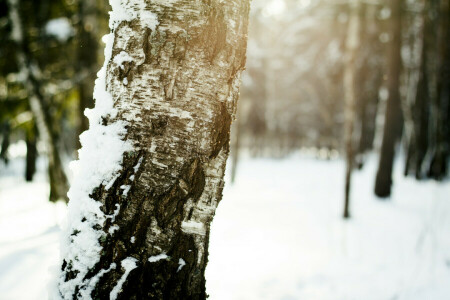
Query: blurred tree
[[438, 167], [6, 132], [427, 100], [352, 48], [368, 79], [91, 24], [419, 107], [393, 116], [32, 77]]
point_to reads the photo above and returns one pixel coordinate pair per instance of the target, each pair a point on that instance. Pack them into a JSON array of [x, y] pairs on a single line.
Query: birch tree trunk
[[150, 171], [393, 115], [352, 44]]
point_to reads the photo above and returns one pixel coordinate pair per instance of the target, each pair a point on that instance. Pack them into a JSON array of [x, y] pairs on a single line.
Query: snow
[[59, 28], [131, 10], [128, 264], [122, 57], [126, 188], [276, 235], [181, 264], [99, 163], [86, 293], [137, 166], [158, 257]]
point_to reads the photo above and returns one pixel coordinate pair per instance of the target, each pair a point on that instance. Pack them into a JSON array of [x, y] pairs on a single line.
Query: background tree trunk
[[393, 115], [368, 80], [352, 45], [140, 212], [38, 104], [441, 117], [87, 64], [32, 154], [6, 132]]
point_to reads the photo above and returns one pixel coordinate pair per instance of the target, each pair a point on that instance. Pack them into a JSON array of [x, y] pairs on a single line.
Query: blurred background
[[337, 183]]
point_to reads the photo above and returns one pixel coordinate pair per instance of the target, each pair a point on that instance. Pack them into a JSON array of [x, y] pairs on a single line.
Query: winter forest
[[225, 149]]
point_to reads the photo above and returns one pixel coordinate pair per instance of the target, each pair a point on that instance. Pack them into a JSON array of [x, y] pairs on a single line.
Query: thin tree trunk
[[31, 73], [352, 45], [393, 115], [151, 167], [31, 157], [6, 132]]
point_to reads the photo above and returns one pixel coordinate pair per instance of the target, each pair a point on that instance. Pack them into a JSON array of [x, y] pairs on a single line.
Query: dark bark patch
[[221, 130]]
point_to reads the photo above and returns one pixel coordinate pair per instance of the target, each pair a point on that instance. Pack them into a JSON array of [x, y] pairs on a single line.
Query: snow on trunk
[[150, 170]]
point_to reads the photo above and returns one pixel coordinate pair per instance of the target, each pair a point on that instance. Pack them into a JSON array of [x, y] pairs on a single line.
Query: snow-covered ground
[[277, 235]]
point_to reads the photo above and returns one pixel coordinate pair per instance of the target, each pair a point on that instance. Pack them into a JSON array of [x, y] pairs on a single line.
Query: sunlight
[[275, 7]]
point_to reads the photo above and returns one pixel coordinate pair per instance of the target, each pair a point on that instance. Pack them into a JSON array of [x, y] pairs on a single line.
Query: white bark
[[151, 167]]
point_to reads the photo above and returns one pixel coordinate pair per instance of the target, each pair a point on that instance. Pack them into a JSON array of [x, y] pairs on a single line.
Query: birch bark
[[151, 167]]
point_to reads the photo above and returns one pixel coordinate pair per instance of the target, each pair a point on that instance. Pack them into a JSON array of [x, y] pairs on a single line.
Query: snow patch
[[158, 257], [131, 10], [122, 57], [60, 28], [181, 264], [116, 212], [126, 189], [86, 292], [128, 264], [136, 167], [112, 229]]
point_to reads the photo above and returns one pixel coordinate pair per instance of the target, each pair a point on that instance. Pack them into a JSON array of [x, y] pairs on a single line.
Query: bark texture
[[173, 74]]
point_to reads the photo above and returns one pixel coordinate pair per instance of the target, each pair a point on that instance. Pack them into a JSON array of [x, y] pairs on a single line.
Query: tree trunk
[[441, 136], [393, 115], [31, 157], [6, 132], [38, 105], [352, 45], [150, 173], [368, 80], [87, 64]]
